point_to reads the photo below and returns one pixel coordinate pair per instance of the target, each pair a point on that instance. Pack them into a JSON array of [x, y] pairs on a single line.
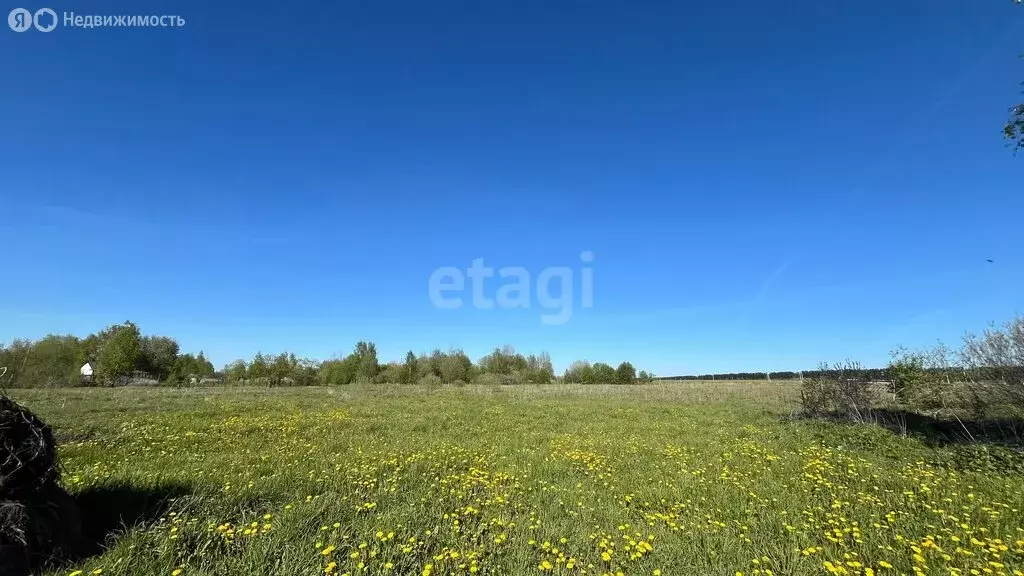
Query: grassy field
[[682, 478]]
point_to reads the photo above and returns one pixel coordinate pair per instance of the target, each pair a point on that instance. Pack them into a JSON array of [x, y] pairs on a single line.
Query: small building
[[87, 370]]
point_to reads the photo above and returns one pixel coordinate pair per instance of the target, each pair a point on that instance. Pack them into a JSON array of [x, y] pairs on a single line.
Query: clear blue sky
[[763, 185]]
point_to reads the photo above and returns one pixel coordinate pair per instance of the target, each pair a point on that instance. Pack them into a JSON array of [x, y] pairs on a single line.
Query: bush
[[907, 372], [984, 377], [487, 379], [843, 391], [431, 381], [513, 378], [392, 373], [994, 365]]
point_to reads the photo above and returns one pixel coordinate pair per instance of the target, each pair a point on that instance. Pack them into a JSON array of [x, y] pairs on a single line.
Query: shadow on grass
[[934, 431], [108, 510], [987, 446]]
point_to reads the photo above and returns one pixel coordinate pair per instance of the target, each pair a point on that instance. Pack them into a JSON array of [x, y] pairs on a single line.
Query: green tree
[[304, 373], [391, 373], [625, 374], [410, 368], [237, 371], [539, 369], [203, 367], [603, 374], [338, 372], [119, 353], [157, 355], [259, 368], [504, 361], [456, 367], [367, 365], [51, 362], [579, 372], [281, 368]]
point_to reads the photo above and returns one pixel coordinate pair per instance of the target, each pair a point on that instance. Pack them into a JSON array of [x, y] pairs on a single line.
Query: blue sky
[[763, 186]]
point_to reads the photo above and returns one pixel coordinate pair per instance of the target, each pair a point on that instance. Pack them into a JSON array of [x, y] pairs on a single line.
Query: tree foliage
[[1014, 129], [625, 374], [119, 353], [157, 356]]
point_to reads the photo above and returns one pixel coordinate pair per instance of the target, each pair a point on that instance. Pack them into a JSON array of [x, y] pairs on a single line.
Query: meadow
[[673, 478]]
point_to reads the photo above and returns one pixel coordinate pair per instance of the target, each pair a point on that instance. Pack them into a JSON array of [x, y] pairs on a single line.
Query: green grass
[[673, 478]]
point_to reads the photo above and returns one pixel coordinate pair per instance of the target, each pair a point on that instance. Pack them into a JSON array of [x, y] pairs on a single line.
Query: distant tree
[[579, 372], [281, 368], [504, 360], [392, 373], [157, 355], [539, 369], [645, 377], [305, 372], [338, 372], [367, 365], [625, 374], [119, 353], [456, 367], [259, 368], [430, 365], [237, 371], [603, 374], [203, 366], [409, 369], [51, 362]]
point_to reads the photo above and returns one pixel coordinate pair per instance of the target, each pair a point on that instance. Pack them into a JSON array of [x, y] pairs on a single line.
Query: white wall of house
[[87, 369]]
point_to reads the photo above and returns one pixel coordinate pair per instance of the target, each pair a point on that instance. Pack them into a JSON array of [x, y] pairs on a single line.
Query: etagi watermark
[[46, 20], [447, 282]]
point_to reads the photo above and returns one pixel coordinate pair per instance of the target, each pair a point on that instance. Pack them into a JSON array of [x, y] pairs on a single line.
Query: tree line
[[121, 354], [117, 354], [870, 373]]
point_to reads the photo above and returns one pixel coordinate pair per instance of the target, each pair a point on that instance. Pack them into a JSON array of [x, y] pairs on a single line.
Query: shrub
[[513, 378], [843, 391], [487, 379], [994, 364], [430, 380], [908, 374]]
